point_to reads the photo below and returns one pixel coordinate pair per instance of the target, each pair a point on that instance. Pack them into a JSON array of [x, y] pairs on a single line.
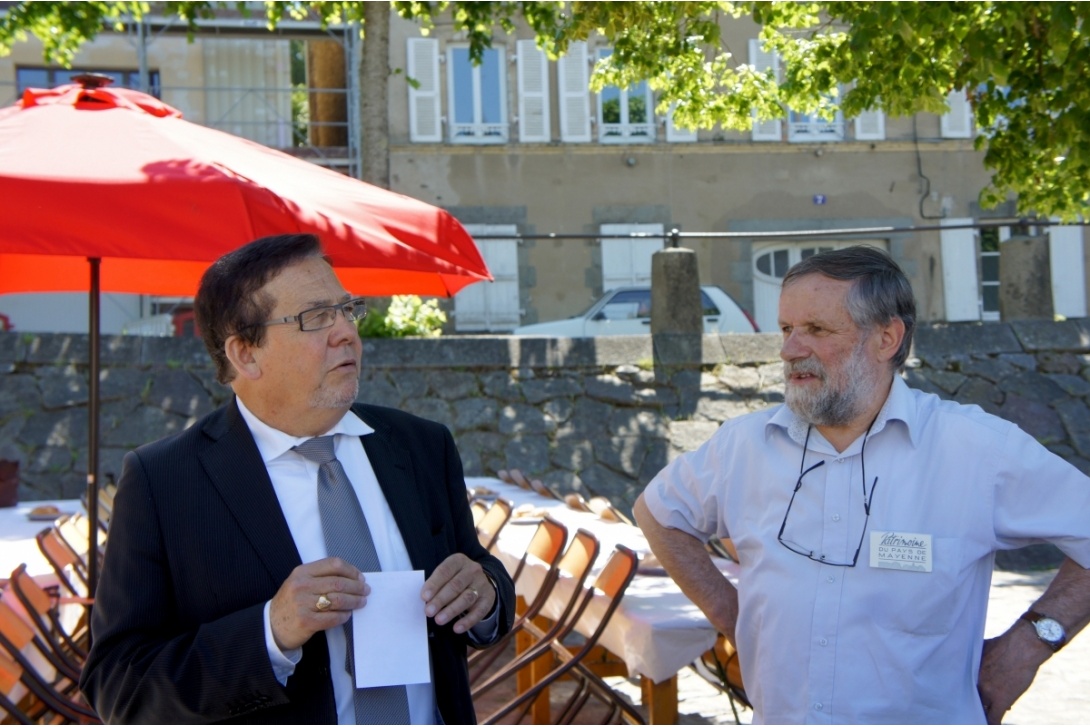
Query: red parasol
[[117, 179]]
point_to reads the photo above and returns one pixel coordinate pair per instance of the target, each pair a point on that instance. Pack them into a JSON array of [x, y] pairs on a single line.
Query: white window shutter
[[960, 284], [533, 78], [957, 123], [424, 105], [627, 261], [675, 134], [870, 125], [1065, 251], [762, 60], [491, 306], [573, 79]]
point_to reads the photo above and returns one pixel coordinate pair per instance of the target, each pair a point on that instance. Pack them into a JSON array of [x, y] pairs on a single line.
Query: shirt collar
[[273, 443], [900, 406]]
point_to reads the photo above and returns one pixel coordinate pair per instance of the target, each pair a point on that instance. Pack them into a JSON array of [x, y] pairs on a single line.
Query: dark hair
[[880, 291], [229, 301]]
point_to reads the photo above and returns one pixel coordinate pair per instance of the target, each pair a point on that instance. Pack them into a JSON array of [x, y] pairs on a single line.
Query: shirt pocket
[[918, 603]]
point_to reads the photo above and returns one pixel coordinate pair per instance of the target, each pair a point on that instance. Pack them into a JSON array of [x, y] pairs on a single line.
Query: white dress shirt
[[824, 644], [295, 478]]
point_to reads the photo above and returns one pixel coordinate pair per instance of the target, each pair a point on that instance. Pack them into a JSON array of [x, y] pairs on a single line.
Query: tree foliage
[[1019, 63]]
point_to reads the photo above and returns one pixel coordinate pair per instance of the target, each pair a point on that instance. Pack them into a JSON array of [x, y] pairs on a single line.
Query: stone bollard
[[677, 322]]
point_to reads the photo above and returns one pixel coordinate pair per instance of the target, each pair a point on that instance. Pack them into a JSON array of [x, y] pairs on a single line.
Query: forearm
[[1067, 598], [689, 564]]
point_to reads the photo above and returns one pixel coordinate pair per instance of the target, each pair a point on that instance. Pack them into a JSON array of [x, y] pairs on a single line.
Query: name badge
[[901, 551]]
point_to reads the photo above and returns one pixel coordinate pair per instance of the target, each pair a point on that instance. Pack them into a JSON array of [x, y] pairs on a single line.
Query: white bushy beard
[[842, 396]]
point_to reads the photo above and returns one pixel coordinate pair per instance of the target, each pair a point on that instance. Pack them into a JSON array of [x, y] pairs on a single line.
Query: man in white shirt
[[866, 516], [219, 599]]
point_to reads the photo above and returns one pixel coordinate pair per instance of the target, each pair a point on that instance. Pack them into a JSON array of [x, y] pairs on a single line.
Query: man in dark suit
[[218, 600]]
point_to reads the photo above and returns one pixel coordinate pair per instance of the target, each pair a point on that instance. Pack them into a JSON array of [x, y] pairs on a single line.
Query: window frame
[[625, 131], [477, 131]]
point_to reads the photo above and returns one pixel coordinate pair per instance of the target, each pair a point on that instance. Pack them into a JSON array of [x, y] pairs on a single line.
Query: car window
[[640, 298], [709, 307]]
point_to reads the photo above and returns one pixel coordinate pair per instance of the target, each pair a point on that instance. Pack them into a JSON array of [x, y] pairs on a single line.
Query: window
[[957, 123], [627, 260], [533, 80], [572, 77], [491, 307], [812, 128], [625, 115], [425, 125], [989, 273], [49, 77], [477, 97]]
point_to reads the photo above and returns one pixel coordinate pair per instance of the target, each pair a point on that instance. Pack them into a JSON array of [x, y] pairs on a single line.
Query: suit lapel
[[393, 469], [234, 465]]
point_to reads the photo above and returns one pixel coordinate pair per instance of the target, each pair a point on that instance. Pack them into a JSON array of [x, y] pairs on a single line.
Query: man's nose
[[342, 329], [792, 348]]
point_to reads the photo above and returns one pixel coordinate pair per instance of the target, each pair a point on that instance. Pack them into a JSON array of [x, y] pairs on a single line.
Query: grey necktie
[[348, 537]]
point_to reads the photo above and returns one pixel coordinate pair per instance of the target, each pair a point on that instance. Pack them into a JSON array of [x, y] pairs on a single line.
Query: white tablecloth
[[656, 630], [17, 531]]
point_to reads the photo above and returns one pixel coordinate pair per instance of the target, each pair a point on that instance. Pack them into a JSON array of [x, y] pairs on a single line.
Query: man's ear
[[241, 355], [890, 337]]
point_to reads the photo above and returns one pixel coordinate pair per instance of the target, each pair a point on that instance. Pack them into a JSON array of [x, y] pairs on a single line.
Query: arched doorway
[[772, 260]]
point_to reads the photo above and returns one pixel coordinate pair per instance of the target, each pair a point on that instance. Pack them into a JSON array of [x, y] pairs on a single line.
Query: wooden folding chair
[[58, 692], [575, 564], [546, 546], [68, 566], [488, 529], [10, 677], [44, 614], [611, 582], [478, 508], [719, 667]]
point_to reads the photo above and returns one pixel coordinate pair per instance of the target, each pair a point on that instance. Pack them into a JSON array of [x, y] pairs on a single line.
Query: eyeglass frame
[[298, 317], [803, 471]]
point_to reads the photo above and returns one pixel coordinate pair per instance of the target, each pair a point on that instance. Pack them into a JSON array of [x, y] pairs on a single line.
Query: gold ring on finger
[[324, 603]]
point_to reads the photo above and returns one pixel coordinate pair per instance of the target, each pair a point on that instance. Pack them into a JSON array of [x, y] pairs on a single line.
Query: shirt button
[[836, 518], [831, 579], [824, 642], [818, 706]]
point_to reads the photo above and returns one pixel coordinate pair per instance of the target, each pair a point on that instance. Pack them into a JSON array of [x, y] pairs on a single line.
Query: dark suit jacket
[[198, 544]]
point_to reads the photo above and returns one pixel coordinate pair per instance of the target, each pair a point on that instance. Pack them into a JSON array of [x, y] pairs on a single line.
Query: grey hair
[[879, 293]]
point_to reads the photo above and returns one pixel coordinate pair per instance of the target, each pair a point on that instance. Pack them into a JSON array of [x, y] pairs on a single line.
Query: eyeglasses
[[866, 505], [324, 316]]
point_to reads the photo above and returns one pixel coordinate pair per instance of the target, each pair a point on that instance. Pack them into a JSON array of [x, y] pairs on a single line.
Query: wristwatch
[[1048, 629]]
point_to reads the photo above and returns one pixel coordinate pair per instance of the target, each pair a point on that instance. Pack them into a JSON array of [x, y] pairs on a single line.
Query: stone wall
[[595, 416]]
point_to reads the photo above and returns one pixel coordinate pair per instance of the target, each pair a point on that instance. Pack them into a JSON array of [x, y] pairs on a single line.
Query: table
[[17, 531], [656, 630]]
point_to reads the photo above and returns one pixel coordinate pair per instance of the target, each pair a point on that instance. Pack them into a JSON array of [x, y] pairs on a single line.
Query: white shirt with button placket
[[826, 644], [294, 479]]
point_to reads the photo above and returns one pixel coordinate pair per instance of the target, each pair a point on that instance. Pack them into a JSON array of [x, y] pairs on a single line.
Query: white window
[[676, 134], [627, 260], [960, 283], [990, 239], [476, 97], [533, 80], [812, 128], [425, 125], [870, 126], [572, 81], [625, 115], [957, 123], [762, 60], [491, 307], [245, 84]]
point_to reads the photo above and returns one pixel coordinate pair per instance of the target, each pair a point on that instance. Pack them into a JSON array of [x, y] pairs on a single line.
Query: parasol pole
[[92, 434]]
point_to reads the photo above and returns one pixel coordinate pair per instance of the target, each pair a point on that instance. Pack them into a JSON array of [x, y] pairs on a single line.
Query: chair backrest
[[64, 561], [546, 545], [43, 613], [612, 582], [478, 508], [488, 529]]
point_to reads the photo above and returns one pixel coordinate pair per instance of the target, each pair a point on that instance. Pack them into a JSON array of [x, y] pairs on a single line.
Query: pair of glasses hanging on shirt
[[867, 498]]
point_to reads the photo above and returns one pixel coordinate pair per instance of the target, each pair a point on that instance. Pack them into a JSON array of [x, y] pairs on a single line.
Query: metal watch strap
[[1033, 617]]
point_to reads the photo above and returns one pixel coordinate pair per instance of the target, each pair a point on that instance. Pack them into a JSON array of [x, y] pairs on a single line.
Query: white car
[[626, 311]]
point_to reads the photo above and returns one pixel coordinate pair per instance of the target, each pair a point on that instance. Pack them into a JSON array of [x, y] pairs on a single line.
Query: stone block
[[381, 392], [411, 384], [529, 453], [1073, 385], [686, 436], [66, 429], [475, 413], [572, 454], [742, 349], [1069, 335], [140, 425], [63, 386], [638, 422], [600, 480], [948, 381], [178, 391], [610, 388], [741, 379], [992, 369], [174, 351], [947, 340], [718, 408], [1058, 362], [589, 418], [981, 392], [559, 410], [122, 350], [538, 390], [1034, 418], [1032, 385], [453, 384], [57, 349], [524, 419], [1075, 416], [18, 392]]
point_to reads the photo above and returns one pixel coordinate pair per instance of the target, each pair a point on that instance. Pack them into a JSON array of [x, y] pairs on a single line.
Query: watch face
[[1050, 630]]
